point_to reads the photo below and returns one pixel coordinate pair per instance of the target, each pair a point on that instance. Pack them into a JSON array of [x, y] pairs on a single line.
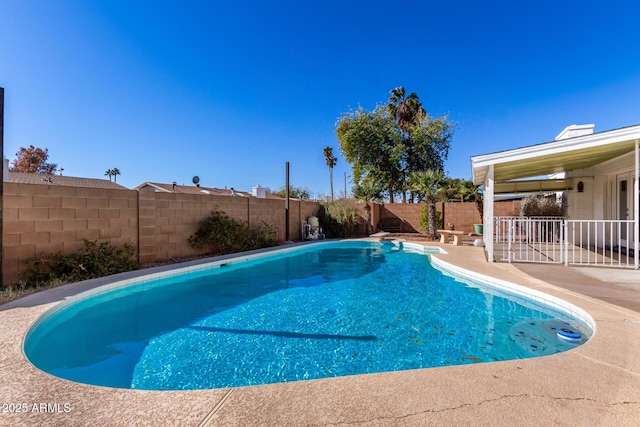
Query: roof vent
[[574, 131]]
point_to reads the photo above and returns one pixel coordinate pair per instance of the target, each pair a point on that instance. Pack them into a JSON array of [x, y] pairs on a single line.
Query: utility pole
[[345, 185], [286, 203], [1, 180]]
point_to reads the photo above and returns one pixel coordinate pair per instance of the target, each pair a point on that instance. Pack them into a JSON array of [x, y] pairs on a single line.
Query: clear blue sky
[[230, 91]]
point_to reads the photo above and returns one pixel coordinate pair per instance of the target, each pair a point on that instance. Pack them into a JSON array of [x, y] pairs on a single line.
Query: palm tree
[[109, 173], [115, 172], [429, 186], [466, 190], [406, 110], [331, 162]]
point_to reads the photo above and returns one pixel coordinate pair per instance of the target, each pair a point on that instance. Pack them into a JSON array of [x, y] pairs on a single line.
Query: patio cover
[[504, 171], [556, 156]]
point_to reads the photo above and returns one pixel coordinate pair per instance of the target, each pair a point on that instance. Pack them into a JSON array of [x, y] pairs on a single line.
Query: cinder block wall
[[461, 215], [43, 219], [407, 213]]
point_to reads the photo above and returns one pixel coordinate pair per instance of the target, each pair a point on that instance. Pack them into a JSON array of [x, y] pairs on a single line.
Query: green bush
[[424, 219], [94, 260], [339, 218], [220, 234]]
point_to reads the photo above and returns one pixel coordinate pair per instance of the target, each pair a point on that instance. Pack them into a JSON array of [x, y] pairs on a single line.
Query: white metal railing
[[530, 239], [600, 242], [563, 241]]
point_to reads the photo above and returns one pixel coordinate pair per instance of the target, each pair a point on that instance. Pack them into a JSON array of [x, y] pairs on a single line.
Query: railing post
[[510, 239], [565, 241]]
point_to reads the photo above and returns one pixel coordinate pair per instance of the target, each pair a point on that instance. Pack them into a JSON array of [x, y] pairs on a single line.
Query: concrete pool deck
[[597, 384]]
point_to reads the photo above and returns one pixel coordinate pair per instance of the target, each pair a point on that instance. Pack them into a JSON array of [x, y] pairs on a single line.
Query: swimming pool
[[315, 311]]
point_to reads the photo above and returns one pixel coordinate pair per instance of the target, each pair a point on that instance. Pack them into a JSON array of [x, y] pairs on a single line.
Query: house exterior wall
[[599, 199]]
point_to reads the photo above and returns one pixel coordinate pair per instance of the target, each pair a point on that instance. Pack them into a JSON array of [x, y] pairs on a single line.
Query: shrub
[[424, 219], [539, 205], [339, 218], [219, 234], [94, 260]]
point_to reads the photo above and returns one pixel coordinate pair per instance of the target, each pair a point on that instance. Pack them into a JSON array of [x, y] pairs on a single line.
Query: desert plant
[[94, 260], [429, 185], [219, 234], [540, 205], [339, 218], [424, 219]]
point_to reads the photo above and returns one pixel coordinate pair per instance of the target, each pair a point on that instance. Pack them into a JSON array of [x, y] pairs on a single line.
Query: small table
[[457, 236]]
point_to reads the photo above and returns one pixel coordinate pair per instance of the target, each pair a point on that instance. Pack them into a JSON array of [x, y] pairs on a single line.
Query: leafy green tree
[[429, 185], [33, 160], [331, 161], [389, 143], [294, 192], [370, 141], [428, 144]]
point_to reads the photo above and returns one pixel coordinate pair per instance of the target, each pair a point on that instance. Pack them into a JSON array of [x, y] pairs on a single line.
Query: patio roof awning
[[532, 186], [555, 157]]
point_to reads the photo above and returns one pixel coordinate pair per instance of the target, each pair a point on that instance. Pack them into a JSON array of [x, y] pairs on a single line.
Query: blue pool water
[[325, 310]]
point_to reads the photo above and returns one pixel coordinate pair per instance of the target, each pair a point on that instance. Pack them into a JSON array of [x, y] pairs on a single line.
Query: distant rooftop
[[192, 189], [70, 181]]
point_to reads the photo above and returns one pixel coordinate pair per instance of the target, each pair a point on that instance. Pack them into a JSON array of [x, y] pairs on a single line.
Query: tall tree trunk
[[432, 219], [367, 216], [331, 181]]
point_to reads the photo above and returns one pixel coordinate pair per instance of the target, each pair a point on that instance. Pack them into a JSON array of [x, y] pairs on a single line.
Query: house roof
[[554, 157], [191, 189], [71, 181]]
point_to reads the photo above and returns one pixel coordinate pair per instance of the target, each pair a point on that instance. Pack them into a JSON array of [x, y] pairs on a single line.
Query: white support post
[[565, 241], [488, 220], [636, 204]]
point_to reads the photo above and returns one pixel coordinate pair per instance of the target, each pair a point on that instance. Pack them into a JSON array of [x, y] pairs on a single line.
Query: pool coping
[[595, 384]]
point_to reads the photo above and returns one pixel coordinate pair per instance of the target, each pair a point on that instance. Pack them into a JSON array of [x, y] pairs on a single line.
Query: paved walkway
[[597, 384], [614, 285]]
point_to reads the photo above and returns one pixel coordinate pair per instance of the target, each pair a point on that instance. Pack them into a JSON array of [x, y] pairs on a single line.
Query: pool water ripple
[[334, 309]]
